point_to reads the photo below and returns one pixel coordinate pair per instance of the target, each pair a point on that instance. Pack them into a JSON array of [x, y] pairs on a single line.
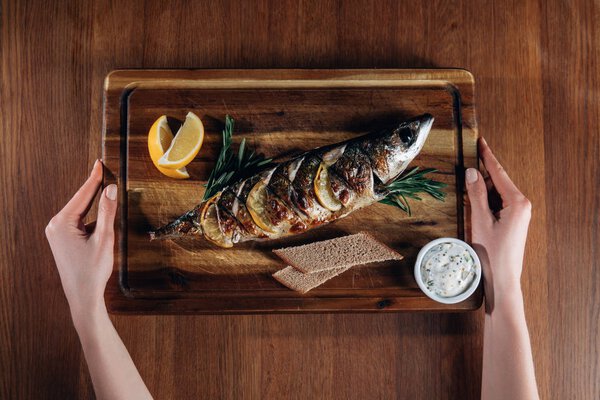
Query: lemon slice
[[159, 140], [210, 224], [255, 203], [323, 190], [185, 145]]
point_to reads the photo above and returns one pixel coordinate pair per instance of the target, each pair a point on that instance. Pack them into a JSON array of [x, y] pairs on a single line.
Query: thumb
[[107, 209], [477, 191]]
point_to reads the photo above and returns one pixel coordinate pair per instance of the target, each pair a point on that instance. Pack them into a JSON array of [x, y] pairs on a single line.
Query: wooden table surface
[[538, 92]]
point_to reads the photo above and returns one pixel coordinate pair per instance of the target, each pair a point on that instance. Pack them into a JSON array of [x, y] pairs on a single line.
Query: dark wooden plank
[[39, 91], [572, 157], [537, 73], [279, 112], [510, 104]]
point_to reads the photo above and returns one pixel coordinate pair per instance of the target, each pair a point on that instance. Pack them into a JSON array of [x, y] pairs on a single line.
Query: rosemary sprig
[[230, 167], [410, 185]]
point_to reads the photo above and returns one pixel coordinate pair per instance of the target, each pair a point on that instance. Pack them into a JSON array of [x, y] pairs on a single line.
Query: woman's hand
[[499, 226], [500, 217], [84, 256]]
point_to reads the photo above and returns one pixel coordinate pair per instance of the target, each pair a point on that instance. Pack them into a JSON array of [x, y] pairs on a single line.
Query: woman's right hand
[[498, 236], [84, 256]]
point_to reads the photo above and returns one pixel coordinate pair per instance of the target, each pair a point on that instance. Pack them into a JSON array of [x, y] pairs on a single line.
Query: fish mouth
[[423, 127], [426, 121]]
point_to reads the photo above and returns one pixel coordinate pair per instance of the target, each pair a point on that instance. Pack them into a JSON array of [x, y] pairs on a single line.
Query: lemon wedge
[[255, 203], [210, 224], [185, 145], [323, 190], [159, 140]]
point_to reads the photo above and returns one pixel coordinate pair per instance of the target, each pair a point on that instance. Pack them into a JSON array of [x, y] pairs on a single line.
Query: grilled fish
[[314, 188]]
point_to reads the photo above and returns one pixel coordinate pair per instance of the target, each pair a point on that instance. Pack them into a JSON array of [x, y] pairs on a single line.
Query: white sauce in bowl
[[448, 269]]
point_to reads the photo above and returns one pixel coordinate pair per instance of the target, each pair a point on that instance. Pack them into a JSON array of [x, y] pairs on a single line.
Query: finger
[[504, 185], [81, 201], [486, 178], [480, 209], [107, 209]]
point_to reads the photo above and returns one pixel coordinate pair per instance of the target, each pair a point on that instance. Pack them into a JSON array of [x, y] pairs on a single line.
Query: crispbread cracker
[[346, 251], [301, 282]]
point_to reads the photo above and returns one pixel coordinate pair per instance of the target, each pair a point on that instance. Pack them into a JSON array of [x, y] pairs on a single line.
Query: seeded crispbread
[[343, 252], [301, 282]]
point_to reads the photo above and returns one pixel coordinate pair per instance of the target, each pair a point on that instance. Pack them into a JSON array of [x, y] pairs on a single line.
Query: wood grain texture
[[574, 218], [281, 113], [536, 66]]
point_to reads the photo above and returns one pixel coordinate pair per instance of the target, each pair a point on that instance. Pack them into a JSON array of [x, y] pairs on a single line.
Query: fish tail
[[187, 224]]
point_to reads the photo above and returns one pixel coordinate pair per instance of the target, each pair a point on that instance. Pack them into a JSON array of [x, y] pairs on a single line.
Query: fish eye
[[406, 135]]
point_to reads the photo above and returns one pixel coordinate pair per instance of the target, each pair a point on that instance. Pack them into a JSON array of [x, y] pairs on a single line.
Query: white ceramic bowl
[[458, 298]]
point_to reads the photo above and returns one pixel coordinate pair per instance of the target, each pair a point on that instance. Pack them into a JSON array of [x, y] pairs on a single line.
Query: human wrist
[[87, 314], [508, 287], [508, 300], [502, 292]]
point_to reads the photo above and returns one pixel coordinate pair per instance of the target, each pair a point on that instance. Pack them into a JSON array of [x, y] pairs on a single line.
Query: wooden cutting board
[[281, 113]]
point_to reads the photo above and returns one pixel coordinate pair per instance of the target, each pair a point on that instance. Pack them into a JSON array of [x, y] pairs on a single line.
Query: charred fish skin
[[339, 187], [239, 210], [230, 226], [280, 207], [341, 190], [354, 167], [305, 198], [359, 170], [227, 225], [247, 186], [281, 185], [282, 216]]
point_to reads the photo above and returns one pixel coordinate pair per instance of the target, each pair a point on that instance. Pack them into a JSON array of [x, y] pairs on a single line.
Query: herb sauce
[[448, 269]]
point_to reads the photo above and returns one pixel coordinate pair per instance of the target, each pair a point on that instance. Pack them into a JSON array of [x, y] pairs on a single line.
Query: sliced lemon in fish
[[212, 230], [255, 203], [186, 144], [210, 223], [159, 140], [323, 190]]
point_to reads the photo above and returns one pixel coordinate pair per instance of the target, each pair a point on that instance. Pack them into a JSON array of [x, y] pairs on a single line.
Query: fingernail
[[111, 191], [471, 175], [483, 141]]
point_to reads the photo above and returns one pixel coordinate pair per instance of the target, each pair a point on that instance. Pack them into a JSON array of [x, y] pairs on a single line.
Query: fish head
[[412, 135], [392, 150]]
